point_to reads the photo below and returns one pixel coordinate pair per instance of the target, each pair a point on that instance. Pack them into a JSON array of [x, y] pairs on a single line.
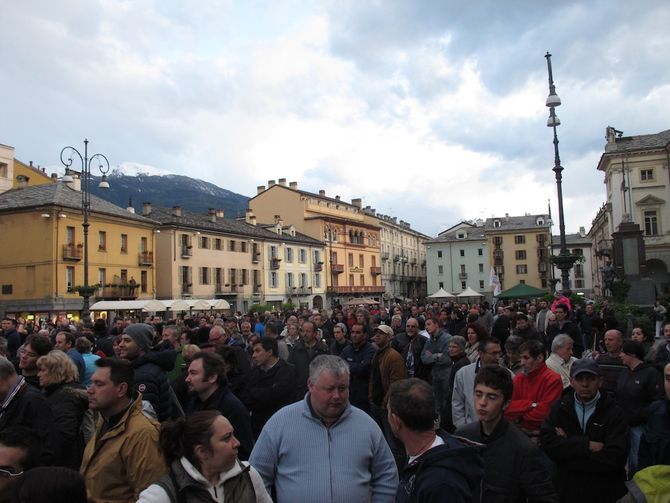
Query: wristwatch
[[533, 405]]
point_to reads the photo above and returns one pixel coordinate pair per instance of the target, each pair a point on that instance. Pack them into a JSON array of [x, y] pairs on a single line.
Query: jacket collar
[[308, 412]]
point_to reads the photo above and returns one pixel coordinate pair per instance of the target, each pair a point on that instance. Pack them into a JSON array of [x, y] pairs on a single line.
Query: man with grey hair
[[322, 448], [23, 405], [560, 360]]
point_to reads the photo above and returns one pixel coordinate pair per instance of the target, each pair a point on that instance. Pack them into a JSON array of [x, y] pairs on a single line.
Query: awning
[[469, 292], [441, 294], [153, 305]]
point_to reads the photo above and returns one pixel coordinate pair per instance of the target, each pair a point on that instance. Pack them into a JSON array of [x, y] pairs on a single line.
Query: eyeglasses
[[30, 354], [6, 474]]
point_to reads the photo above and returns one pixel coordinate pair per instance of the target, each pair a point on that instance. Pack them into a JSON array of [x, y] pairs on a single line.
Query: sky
[[430, 111]]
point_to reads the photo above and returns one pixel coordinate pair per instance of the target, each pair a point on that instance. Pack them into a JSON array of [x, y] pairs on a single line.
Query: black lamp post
[[564, 261], [67, 156]]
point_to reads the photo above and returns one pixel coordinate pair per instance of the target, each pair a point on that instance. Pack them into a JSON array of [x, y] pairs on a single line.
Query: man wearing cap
[[387, 367], [150, 367], [586, 437]]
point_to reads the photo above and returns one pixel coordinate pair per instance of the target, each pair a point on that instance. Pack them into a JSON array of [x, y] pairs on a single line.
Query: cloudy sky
[[432, 111]]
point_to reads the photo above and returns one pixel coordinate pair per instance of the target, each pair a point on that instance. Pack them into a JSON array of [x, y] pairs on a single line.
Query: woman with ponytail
[[202, 454]]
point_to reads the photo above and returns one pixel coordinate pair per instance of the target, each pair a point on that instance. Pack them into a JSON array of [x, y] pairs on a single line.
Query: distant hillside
[[170, 190]]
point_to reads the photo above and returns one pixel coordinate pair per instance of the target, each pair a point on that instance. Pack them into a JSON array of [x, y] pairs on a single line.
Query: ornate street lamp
[[564, 261], [67, 156]]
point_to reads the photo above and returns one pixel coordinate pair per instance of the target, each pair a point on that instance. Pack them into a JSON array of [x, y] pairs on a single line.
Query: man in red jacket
[[535, 390]]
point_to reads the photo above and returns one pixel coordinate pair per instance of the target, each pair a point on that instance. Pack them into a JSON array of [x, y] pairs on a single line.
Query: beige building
[[42, 263], [6, 167], [403, 253], [519, 249], [350, 236], [635, 172], [240, 260]]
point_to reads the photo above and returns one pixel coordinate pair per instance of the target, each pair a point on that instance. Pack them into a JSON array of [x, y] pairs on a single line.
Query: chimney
[[30, 163], [211, 213], [259, 189], [322, 193], [219, 213], [582, 231], [282, 182], [130, 208], [176, 211], [337, 197], [23, 181], [54, 177], [270, 183], [252, 219], [358, 202], [293, 185], [248, 215], [146, 208]]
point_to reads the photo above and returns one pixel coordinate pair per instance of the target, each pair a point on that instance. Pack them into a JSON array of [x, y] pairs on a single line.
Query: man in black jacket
[[359, 357], [586, 436], [655, 442], [151, 367], [271, 384], [440, 467], [514, 469], [208, 384], [305, 350]]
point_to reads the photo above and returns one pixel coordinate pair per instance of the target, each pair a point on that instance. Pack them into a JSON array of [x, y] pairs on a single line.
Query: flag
[[494, 282]]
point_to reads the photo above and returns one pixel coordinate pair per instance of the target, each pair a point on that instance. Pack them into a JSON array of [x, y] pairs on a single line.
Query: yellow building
[[43, 253], [239, 260], [350, 236], [519, 249], [27, 175]]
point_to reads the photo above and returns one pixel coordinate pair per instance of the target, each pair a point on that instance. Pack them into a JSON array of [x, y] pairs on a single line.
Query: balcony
[[186, 251], [117, 292], [227, 288], [300, 290], [258, 289], [145, 258], [73, 252], [356, 289], [375, 271], [463, 276], [337, 268], [498, 254], [256, 257], [274, 263], [318, 267]]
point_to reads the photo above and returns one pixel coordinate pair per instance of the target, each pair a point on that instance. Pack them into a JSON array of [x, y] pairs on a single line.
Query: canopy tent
[[363, 300], [469, 292], [521, 291], [153, 305], [441, 294]]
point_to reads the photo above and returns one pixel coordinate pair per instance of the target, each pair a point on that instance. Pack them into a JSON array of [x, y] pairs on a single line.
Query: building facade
[[239, 260], [582, 273], [349, 236], [458, 258], [519, 249], [635, 172], [42, 263]]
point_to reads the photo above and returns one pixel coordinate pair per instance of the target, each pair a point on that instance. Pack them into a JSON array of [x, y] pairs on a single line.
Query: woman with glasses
[[202, 455], [59, 379]]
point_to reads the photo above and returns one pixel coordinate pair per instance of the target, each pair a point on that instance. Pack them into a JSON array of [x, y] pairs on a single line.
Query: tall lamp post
[[565, 260], [67, 157]]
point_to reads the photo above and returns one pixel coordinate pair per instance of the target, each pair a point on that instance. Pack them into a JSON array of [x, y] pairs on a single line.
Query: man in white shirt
[[561, 359]]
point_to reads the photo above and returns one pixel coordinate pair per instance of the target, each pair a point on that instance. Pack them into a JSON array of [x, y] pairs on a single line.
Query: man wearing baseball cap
[[586, 436]]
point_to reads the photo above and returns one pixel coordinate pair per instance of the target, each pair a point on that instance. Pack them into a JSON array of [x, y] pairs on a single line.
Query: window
[[124, 276], [143, 244], [481, 267], [218, 276], [496, 223], [288, 254], [289, 280], [232, 274], [69, 278], [362, 279], [4, 170], [462, 253], [317, 256], [317, 280], [578, 251], [69, 235], [498, 240], [520, 254], [480, 252], [579, 283], [520, 240], [463, 286], [522, 281], [440, 284], [522, 269], [439, 253], [244, 246], [303, 280], [650, 223], [232, 245], [102, 241], [361, 262], [273, 279], [302, 255], [646, 175], [351, 261], [333, 257], [203, 243], [245, 276], [124, 243], [440, 269], [144, 279], [462, 268], [351, 280], [461, 235], [543, 282], [102, 277], [273, 251], [204, 275], [481, 284], [217, 244]]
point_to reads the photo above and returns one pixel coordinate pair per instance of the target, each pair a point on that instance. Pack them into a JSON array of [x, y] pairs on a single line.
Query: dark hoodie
[[69, 403], [451, 472], [151, 380]]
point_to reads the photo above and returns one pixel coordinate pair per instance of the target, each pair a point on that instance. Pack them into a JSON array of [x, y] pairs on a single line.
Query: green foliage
[[620, 290], [260, 308]]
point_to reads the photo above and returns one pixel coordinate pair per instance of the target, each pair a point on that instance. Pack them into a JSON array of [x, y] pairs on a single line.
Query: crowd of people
[[541, 401]]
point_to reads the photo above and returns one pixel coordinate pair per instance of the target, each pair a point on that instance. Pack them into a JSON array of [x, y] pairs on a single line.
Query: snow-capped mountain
[[129, 168]]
